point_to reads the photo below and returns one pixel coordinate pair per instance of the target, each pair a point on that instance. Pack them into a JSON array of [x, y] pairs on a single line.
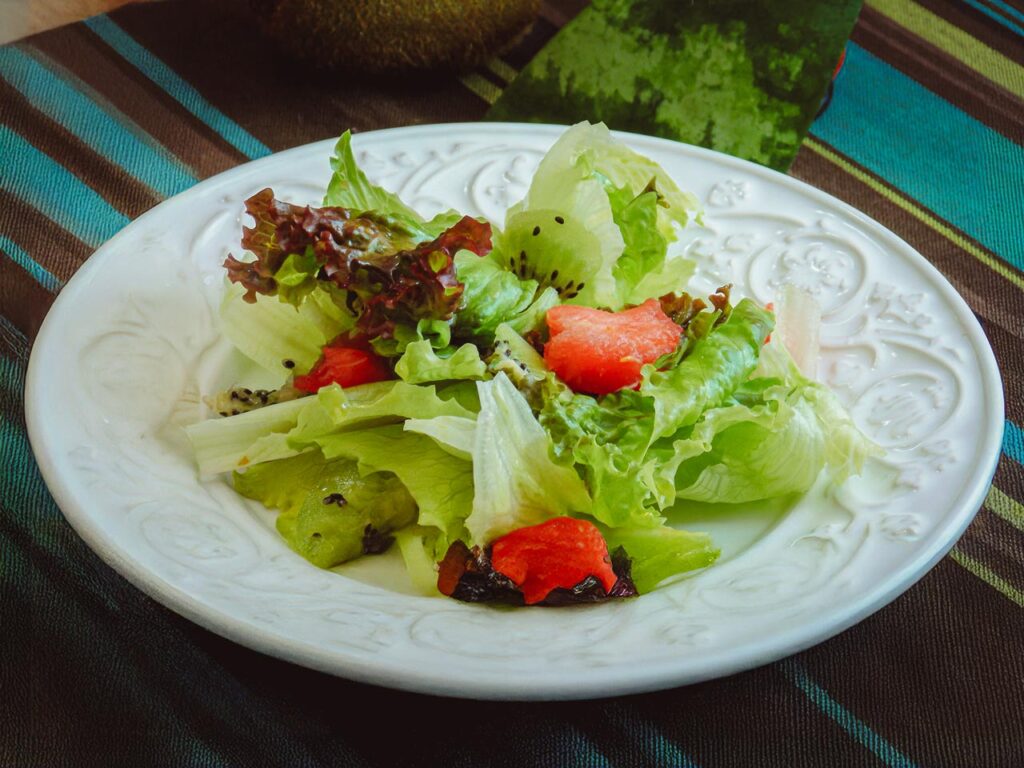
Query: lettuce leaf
[[335, 409], [349, 188], [455, 434], [607, 439], [747, 453], [271, 332], [615, 211], [325, 238], [221, 445], [421, 364], [493, 295], [383, 277], [662, 552], [441, 484], [420, 552], [846, 447], [705, 379], [644, 270], [517, 482]]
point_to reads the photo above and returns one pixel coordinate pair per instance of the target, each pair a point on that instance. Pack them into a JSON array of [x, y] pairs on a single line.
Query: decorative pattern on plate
[[900, 349]]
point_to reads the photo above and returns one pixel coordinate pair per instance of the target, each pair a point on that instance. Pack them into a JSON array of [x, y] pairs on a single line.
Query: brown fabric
[[139, 99], [115, 185], [94, 673], [940, 72]]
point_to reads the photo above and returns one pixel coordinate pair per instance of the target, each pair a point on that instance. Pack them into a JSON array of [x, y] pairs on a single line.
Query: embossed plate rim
[[601, 682]]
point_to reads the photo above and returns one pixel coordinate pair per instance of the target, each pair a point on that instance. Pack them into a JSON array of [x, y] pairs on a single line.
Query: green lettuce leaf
[[660, 553], [517, 482], [335, 409], [644, 270], [607, 439], [846, 447], [441, 484], [271, 332], [455, 434], [493, 295], [420, 552], [221, 445], [420, 364], [596, 223], [716, 366], [437, 332], [349, 188], [737, 452]]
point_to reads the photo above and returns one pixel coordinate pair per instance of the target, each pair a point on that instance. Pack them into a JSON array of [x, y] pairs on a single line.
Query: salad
[[515, 409]]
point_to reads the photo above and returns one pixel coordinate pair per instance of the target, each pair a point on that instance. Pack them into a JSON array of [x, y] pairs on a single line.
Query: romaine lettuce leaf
[[717, 365], [420, 364], [517, 482]]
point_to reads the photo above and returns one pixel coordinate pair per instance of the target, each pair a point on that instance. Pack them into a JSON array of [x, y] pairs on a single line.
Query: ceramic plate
[[132, 343]]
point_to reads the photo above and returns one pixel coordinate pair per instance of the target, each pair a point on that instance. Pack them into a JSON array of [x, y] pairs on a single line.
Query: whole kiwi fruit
[[395, 36]]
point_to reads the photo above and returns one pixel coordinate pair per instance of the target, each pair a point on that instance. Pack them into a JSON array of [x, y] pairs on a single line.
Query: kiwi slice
[[514, 357], [557, 250]]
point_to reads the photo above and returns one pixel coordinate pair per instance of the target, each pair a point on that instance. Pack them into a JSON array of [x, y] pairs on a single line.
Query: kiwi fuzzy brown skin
[[387, 37]]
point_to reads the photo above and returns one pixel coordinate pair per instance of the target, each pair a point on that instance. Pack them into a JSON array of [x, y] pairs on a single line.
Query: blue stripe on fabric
[[20, 257], [185, 94], [34, 177], [66, 101], [667, 752], [584, 754], [846, 720], [921, 144], [1013, 442], [996, 16], [1008, 9], [653, 741]]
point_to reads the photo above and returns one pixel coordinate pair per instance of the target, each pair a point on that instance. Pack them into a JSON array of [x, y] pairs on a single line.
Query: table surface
[[101, 120]]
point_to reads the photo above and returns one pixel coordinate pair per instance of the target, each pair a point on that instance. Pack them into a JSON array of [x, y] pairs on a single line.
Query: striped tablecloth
[[101, 120]]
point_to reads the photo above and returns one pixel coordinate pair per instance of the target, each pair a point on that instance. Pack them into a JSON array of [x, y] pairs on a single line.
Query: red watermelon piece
[[597, 352], [561, 552]]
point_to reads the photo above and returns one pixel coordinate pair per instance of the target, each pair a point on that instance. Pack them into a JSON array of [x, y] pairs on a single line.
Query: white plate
[[132, 341]]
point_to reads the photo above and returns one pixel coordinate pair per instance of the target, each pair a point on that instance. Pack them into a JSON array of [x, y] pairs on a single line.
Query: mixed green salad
[[517, 409]]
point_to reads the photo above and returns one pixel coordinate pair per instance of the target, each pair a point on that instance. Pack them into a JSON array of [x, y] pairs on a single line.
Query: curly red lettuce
[[389, 279]]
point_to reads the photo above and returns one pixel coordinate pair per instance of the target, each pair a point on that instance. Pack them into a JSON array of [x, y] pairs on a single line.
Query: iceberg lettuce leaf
[[517, 481]]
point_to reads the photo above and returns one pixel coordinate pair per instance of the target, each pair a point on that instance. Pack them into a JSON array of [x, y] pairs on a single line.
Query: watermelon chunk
[[598, 352], [561, 552], [346, 366]]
